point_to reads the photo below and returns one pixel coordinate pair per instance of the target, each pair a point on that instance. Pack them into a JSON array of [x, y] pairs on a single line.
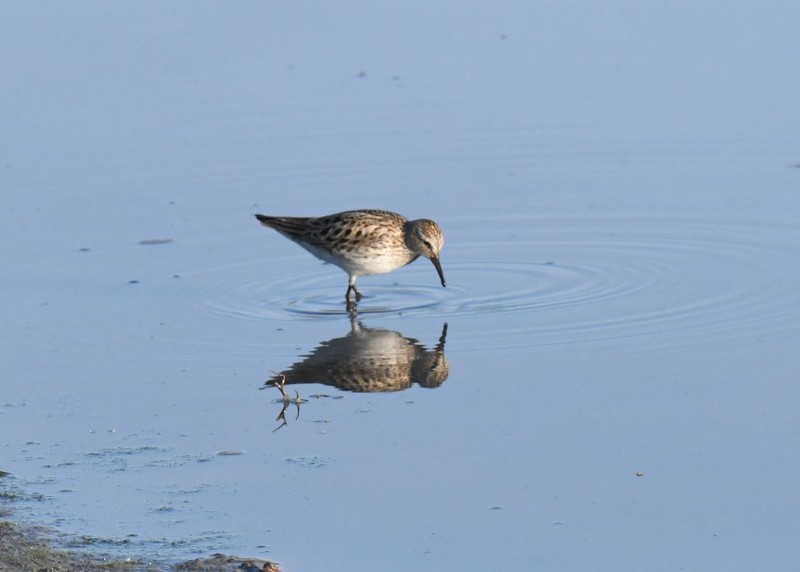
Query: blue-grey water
[[608, 382]]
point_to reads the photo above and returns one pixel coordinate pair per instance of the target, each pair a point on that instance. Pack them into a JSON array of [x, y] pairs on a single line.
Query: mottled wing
[[293, 227], [337, 233]]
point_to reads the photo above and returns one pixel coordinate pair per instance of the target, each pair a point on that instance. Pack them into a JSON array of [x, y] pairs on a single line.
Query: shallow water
[[607, 382]]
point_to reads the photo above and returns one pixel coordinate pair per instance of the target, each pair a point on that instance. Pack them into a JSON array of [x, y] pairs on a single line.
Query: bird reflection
[[370, 360], [286, 400], [365, 360]]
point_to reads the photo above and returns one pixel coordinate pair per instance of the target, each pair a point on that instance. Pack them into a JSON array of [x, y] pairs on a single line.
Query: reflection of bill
[[370, 360]]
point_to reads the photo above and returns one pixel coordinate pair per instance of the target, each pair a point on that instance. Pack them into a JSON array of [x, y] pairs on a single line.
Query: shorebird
[[363, 242]]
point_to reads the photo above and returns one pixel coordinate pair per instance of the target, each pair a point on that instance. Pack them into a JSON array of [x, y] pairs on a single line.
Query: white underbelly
[[358, 264]]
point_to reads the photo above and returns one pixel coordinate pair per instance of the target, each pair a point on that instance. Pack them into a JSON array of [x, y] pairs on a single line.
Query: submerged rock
[[224, 563]]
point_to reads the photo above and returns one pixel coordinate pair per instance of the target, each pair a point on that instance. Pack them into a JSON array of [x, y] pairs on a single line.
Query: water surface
[[606, 383]]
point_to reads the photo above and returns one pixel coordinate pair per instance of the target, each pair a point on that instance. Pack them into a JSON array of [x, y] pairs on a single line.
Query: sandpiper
[[363, 242]]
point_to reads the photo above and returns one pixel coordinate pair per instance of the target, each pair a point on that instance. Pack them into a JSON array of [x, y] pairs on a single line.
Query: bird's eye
[[428, 244]]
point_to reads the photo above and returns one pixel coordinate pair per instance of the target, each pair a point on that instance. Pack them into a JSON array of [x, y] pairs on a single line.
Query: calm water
[[608, 382]]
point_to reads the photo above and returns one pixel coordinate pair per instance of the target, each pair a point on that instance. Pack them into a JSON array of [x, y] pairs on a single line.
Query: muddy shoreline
[[27, 548]]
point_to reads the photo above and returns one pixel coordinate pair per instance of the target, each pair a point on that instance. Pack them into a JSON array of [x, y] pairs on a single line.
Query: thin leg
[[352, 286]]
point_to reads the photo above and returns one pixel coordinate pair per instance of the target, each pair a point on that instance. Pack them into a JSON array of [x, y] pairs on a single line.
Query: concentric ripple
[[663, 281], [672, 280]]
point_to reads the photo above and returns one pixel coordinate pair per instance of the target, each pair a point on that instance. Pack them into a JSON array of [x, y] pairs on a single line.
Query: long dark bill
[[438, 269]]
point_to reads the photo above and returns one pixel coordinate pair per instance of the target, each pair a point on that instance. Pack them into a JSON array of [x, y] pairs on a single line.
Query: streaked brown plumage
[[363, 242]]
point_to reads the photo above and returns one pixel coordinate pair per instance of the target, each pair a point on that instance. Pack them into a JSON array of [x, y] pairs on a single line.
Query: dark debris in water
[[151, 241]]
